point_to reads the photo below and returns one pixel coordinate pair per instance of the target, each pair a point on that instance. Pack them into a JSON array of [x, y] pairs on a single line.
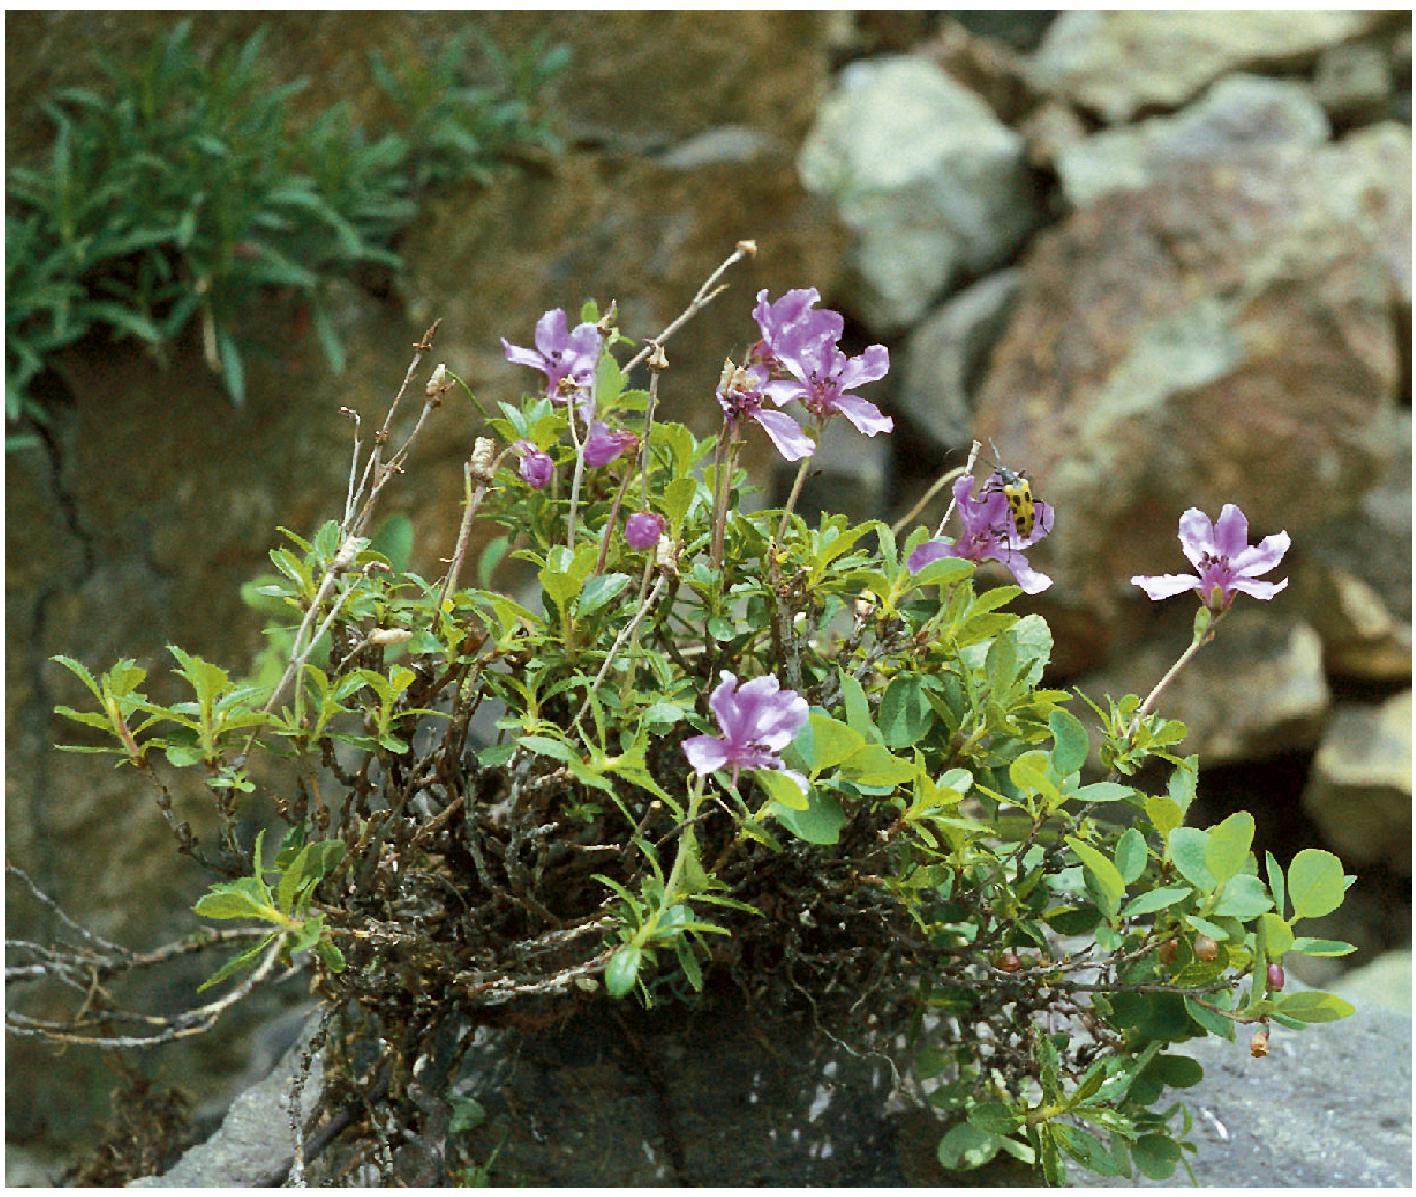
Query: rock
[[1354, 82], [946, 355], [929, 181], [1226, 335], [1385, 981], [849, 473], [1328, 1106], [988, 68], [1048, 130], [1119, 63], [1257, 691], [1242, 117], [1359, 792], [254, 1146]]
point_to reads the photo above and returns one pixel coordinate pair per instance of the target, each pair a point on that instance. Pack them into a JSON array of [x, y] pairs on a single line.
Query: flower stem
[[575, 479], [610, 522], [686, 842], [974, 451], [792, 498], [722, 490], [1203, 636]]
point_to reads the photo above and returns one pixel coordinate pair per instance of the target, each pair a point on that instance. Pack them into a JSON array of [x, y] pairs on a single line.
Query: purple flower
[[989, 535], [792, 318], [741, 396], [643, 529], [559, 353], [822, 378], [1225, 563], [536, 467], [757, 719], [602, 446]]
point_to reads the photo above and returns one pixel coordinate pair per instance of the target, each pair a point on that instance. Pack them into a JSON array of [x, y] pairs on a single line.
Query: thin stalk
[[609, 532], [968, 469]]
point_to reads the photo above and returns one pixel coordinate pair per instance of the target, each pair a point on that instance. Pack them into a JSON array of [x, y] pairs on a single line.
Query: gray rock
[[946, 355], [931, 183], [1120, 62], [728, 143], [1354, 82], [1328, 1107], [254, 1147], [1385, 982], [1240, 117], [1359, 791], [848, 474]]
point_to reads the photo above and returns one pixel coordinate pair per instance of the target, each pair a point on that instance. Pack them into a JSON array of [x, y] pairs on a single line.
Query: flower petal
[[1196, 535], [1263, 556], [1028, 578], [783, 390], [873, 364], [1164, 586], [928, 553], [863, 414], [787, 435], [1231, 532], [523, 357], [723, 702], [550, 331], [706, 753], [1256, 589]]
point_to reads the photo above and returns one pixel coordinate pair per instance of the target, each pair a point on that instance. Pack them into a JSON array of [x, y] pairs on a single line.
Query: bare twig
[[968, 469], [708, 292]]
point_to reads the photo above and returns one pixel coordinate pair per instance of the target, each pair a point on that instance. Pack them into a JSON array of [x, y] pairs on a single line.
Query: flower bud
[[1007, 962], [1168, 951], [747, 247], [479, 465], [1275, 978], [1206, 949], [390, 636], [643, 529], [438, 383], [658, 360], [1258, 1045]]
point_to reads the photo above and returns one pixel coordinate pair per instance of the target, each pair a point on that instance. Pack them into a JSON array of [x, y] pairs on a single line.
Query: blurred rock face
[[1162, 259]]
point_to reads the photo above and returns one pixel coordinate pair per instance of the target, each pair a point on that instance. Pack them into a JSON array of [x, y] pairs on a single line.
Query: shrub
[[732, 750]]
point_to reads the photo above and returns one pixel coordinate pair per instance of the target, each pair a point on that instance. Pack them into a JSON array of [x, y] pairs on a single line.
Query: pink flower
[[1225, 563], [559, 353], [822, 378], [758, 720], [536, 467], [643, 529], [741, 396], [989, 535], [602, 446], [793, 317]]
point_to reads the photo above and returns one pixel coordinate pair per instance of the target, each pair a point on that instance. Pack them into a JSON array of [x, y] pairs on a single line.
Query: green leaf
[[232, 372], [964, 1146], [820, 823], [237, 963], [1086, 1149], [676, 502], [1107, 877], [1102, 791], [240, 899], [600, 590], [1032, 773], [1179, 1072], [1227, 846], [1309, 946], [1275, 880], [1165, 814], [1278, 935], [1156, 899], [829, 742], [330, 956], [1315, 883], [995, 1118], [781, 789], [1156, 1156], [1215, 1024], [1069, 753], [1131, 855], [874, 765], [905, 715], [467, 1114], [857, 707], [1312, 1005], [622, 969], [1187, 850], [1244, 897]]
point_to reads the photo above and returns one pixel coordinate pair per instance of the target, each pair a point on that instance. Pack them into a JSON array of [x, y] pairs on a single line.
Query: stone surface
[[1241, 117], [1385, 981], [946, 354], [1354, 82], [989, 68], [254, 1146], [1229, 335], [1359, 792], [1328, 1107], [1257, 691], [930, 183], [1119, 63]]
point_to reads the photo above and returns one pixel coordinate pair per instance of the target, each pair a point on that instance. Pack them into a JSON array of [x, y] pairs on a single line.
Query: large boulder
[[1241, 117], [1359, 791], [932, 185], [1228, 335], [1120, 63]]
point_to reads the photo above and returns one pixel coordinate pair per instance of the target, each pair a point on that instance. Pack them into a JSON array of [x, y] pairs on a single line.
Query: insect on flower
[[1017, 490]]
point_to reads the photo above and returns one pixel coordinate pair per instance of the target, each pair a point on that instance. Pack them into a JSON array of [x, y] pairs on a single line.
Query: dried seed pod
[[1259, 1044], [1206, 949]]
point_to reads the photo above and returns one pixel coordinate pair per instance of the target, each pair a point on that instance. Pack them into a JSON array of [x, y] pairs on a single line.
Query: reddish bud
[[1275, 978], [1007, 962], [1168, 951], [1206, 949]]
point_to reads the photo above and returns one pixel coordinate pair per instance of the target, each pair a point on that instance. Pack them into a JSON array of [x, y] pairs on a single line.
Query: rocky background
[[1162, 260]]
